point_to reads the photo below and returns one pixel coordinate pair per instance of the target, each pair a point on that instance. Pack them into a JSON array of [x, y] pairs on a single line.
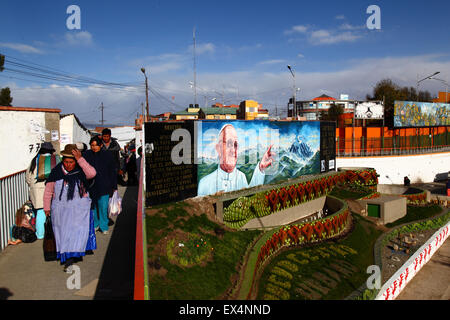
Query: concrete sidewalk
[[107, 274], [433, 280]]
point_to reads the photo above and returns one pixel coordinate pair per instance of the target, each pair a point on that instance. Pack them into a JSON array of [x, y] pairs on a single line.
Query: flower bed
[[416, 199], [268, 202], [298, 235], [371, 196]]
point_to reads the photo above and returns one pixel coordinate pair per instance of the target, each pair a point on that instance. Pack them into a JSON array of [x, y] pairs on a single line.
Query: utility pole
[[146, 94], [2, 62], [101, 108], [294, 103]]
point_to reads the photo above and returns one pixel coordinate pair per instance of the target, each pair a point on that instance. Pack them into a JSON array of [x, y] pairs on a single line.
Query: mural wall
[[237, 154], [206, 157], [421, 114]]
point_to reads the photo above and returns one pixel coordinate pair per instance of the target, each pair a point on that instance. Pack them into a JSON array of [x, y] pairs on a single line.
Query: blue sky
[[243, 48]]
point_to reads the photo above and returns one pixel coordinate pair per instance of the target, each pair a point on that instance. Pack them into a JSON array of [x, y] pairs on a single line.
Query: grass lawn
[[344, 193], [206, 280], [330, 270], [414, 213]]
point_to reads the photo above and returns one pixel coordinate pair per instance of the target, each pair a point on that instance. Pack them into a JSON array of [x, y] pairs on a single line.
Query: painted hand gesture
[[267, 159]]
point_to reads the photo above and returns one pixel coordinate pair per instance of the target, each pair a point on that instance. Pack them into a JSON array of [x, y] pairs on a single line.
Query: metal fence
[[13, 194], [397, 145]]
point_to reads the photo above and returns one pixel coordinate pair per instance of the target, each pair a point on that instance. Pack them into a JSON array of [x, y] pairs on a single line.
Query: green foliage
[[331, 270], [332, 114], [431, 224], [5, 97], [193, 251], [191, 281], [414, 213], [368, 294]]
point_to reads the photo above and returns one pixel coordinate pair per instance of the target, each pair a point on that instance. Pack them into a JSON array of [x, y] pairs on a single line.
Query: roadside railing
[[13, 194], [384, 146]]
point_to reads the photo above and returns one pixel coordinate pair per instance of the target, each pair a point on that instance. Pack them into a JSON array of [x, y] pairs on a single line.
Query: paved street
[[108, 274]]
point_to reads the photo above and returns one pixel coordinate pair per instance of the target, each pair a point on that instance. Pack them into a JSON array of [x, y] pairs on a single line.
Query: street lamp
[[146, 92], [429, 77], [294, 110]]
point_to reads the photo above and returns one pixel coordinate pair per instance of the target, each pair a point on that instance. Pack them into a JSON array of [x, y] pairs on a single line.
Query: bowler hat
[[47, 146], [67, 152]]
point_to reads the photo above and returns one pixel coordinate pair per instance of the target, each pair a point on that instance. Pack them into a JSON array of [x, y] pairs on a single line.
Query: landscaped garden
[[193, 256], [322, 271], [190, 256]]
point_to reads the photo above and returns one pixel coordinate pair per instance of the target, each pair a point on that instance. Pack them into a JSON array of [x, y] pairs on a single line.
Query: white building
[[123, 134], [22, 130], [73, 131]]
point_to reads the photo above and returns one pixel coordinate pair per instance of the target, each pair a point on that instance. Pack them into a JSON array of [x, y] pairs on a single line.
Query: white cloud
[[82, 38], [203, 48], [347, 26], [160, 63], [23, 48], [357, 79], [273, 61], [300, 55], [326, 37], [340, 17], [297, 29], [345, 33]]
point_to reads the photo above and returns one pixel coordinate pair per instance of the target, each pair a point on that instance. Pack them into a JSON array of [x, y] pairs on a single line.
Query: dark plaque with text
[[167, 181], [327, 146]]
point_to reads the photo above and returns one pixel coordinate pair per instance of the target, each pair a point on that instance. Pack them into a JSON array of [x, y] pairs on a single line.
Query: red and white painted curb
[[392, 288]]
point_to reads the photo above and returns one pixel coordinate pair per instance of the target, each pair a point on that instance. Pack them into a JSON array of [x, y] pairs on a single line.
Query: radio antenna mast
[[195, 73]]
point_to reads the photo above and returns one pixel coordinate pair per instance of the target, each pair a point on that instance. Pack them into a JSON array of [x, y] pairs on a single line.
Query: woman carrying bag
[[67, 201], [105, 183], [39, 170]]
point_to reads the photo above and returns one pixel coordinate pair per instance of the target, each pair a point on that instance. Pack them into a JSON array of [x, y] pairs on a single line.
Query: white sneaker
[[105, 232]]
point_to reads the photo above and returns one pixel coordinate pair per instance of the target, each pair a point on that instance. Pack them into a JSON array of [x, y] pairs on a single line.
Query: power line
[[43, 72]]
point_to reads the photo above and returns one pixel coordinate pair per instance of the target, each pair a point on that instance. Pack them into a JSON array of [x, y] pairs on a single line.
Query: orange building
[[443, 97]]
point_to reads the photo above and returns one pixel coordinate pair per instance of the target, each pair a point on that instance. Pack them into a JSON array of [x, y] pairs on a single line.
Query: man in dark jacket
[[104, 184], [111, 145]]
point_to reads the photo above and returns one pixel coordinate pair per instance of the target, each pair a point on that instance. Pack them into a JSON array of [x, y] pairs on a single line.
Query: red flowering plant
[[351, 176], [324, 186], [284, 197], [275, 240], [365, 177], [282, 235], [293, 195], [335, 222], [301, 192], [316, 187], [294, 233], [309, 190], [307, 231], [328, 226], [371, 196], [336, 179], [273, 200], [319, 229], [330, 182]]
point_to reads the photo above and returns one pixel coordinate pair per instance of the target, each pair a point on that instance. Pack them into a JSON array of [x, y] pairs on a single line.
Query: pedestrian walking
[[131, 166], [104, 185], [67, 202], [38, 171], [138, 163]]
